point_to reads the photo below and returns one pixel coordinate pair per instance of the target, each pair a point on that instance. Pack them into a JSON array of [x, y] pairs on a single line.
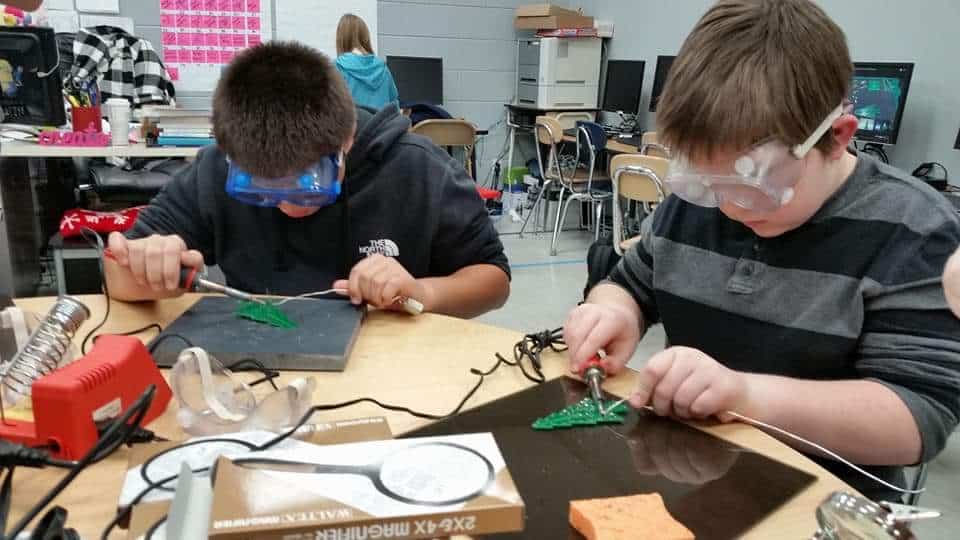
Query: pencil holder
[[86, 119]]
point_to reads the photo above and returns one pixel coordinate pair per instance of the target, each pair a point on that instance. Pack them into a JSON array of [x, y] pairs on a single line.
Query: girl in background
[[367, 76]]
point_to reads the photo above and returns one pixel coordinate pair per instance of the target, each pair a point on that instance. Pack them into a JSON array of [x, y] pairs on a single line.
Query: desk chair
[[591, 143], [447, 133], [571, 119], [650, 146], [547, 131], [637, 178]]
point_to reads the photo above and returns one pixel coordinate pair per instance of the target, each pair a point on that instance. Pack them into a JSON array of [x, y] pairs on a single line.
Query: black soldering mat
[[716, 489], [322, 340]]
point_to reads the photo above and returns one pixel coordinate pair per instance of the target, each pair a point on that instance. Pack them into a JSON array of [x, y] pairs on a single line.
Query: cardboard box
[[156, 505], [543, 10], [402, 489], [552, 22]]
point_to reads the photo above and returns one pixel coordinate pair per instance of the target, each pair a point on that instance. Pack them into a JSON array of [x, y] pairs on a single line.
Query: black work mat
[[716, 489], [322, 341]]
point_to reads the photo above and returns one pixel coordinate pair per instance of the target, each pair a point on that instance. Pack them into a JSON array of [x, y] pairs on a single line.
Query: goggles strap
[[800, 151]]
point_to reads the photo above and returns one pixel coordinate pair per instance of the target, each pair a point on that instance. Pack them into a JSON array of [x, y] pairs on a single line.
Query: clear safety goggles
[[763, 179], [212, 401], [317, 186]]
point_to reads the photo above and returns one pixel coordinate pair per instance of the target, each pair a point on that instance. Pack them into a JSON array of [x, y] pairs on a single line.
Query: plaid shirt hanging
[[126, 66]]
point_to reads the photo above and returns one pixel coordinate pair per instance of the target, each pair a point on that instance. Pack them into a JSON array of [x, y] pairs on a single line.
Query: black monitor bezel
[[909, 66], [431, 59], [49, 60], [606, 85], [657, 89]]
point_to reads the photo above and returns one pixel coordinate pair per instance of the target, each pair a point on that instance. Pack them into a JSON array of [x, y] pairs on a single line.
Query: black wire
[[6, 494], [530, 348], [137, 411], [152, 326], [97, 243], [153, 528], [255, 365], [163, 337]]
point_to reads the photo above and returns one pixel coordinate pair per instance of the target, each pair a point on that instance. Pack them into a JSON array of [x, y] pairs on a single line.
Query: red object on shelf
[[87, 119], [69, 403]]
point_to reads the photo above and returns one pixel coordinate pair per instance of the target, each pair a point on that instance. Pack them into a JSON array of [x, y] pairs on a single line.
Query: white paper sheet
[[97, 20], [100, 6], [63, 21]]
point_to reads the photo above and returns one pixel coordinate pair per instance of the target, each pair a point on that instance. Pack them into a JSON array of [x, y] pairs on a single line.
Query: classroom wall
[[475, 38], [478, 44], [921, 31]]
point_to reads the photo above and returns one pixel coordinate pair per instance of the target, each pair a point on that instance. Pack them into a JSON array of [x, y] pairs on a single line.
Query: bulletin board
[[200, 37]]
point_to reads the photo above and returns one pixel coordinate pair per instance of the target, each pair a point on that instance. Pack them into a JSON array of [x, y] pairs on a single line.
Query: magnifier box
[[399, 489]]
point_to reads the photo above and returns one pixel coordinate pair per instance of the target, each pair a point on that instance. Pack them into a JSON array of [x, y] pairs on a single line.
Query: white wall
[[920, 31]]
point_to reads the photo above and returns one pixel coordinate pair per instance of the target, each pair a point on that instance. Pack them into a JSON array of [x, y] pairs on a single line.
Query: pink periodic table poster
[[199, 37]]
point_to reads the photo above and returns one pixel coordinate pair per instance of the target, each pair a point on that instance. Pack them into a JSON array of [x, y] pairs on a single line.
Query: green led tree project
[[583, 413], [265, 313]]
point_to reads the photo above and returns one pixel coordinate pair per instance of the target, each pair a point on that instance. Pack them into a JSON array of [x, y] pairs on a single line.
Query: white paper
[[99, 6], [63, 21], [319, 28], [59, 4], [97, 20]]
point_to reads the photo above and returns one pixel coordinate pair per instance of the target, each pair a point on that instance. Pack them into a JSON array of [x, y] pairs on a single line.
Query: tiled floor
[[545, 288]]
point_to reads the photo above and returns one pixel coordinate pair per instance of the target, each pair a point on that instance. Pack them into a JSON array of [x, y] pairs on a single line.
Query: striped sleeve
[[634, 273], [911, 340]]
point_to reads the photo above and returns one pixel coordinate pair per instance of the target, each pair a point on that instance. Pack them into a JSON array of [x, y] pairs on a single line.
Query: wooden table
[[421, 362]]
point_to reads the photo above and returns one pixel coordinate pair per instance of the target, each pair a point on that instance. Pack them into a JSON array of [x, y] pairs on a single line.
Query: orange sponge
[[626, 518]]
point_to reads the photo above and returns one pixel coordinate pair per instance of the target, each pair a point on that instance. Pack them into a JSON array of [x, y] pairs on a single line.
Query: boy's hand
[[591, 327], [686, 383], [154, 261], [379, 280], [951, 282]]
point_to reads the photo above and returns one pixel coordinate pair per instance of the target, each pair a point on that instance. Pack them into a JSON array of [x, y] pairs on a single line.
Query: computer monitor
[[956, 145], [419, 80], [660, 79], [623, 85], [878, 95], [31, 91]]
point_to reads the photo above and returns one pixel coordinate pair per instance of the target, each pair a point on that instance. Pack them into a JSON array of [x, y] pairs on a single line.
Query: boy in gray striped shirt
[[798, 283]]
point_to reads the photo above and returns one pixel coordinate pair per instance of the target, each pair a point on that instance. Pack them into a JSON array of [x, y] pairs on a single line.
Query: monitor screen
[[624, 81], [31, 91], [660, 79], [419, 80], [878, 95], [956, 145]]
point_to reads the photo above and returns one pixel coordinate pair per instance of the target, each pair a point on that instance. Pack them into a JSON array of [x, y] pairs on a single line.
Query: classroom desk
[[613, 145], [421, 362], [25, 149]]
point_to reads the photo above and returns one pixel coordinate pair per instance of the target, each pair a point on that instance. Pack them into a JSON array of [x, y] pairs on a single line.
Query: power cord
[[114, 436], [529, 348]]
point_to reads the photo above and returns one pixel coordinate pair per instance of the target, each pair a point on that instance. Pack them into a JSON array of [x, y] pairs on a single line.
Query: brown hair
[[352, 33], [279, 107], [753, 70]]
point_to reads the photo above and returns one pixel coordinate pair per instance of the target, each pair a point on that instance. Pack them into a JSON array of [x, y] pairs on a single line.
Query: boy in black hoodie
[[305, 192]]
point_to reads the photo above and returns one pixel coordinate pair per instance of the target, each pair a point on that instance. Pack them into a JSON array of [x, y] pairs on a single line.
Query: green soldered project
[[583, 413], [265, 313]]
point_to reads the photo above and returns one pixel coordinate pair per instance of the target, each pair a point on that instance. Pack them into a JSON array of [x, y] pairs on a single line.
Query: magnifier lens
[[436, 473]]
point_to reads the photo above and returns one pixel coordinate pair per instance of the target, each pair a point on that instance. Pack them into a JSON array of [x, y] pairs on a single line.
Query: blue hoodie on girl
[[369, 80]]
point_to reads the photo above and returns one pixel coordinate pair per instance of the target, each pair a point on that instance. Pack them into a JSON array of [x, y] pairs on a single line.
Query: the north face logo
[[384, 246]]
